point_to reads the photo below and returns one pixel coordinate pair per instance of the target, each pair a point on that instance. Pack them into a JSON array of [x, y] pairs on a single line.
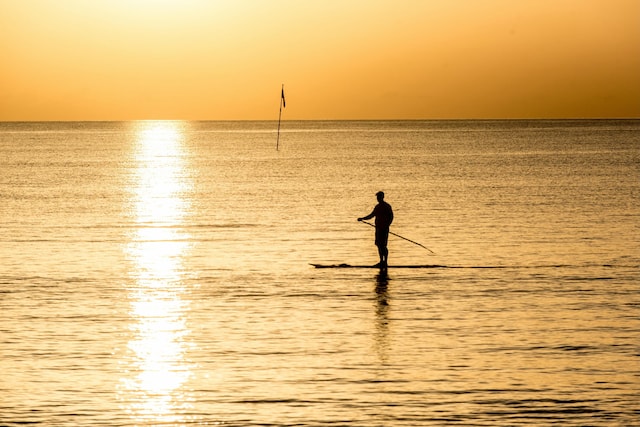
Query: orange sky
[[338, 59]]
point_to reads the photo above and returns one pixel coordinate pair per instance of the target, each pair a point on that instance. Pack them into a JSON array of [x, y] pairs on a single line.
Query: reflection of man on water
[[384, 217]]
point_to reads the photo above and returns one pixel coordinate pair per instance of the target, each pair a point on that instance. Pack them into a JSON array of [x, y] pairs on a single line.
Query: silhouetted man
[[384, 217]]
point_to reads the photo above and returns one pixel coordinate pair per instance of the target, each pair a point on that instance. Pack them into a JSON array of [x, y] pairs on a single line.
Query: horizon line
[[323, 120]]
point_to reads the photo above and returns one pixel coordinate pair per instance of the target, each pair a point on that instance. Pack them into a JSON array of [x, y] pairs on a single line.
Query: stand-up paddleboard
[[377, 266], [417, 266]]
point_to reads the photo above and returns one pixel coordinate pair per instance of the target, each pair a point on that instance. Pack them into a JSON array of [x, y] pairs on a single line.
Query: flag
[[284, 104]]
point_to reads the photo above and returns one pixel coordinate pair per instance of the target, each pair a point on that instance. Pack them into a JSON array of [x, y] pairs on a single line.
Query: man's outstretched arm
[[371, 215]]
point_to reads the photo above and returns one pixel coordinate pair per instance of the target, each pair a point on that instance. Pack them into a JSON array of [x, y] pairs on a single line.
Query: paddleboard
[[376, 266]]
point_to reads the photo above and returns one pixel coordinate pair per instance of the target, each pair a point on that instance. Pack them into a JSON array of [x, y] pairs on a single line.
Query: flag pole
[[282, 102]]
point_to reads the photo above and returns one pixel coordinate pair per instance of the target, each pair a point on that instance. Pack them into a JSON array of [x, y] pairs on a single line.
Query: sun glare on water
[[157, 367]]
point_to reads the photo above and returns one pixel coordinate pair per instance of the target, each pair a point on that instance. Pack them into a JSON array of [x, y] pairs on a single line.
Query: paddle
[[404, 238]]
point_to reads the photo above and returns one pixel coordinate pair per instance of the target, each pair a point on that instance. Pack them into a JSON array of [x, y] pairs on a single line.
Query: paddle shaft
[[280, 117], [404, 238]]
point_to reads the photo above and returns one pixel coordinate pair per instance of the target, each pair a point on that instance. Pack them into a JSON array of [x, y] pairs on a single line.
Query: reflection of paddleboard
[[374, 266]]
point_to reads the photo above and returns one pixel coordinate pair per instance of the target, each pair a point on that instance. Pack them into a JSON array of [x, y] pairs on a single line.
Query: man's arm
[[371, 215]]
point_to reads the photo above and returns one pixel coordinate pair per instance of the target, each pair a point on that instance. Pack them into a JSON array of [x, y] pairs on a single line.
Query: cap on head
[[380, 194]]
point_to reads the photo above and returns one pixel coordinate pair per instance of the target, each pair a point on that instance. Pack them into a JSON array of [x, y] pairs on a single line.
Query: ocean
[[158, 273]]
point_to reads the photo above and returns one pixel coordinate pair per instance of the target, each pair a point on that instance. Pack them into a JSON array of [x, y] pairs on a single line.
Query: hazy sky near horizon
[[338, 59]]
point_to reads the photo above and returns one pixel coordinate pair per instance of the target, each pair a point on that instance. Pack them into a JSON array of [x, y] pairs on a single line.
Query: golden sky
[[338, 59]]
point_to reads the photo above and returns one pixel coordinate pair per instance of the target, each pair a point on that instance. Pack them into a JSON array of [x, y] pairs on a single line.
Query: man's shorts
[[382, 237]]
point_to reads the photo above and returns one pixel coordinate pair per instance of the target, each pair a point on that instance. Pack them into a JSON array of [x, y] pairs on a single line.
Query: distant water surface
[[157, 274]]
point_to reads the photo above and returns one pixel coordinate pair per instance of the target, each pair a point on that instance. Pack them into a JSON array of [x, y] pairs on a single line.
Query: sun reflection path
[[152, 384]]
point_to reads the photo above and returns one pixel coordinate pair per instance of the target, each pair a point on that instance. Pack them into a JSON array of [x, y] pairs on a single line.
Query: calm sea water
[[157, 274]]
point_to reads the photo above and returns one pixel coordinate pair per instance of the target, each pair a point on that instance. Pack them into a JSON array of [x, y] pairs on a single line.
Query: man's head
[[380, 196]]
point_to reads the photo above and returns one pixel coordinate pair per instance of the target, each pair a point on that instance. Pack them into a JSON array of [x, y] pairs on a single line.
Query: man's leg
[[384, 256]]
